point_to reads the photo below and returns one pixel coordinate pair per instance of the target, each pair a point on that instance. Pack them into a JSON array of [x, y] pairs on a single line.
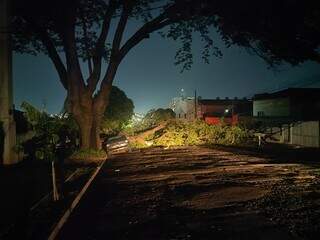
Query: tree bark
[[90, 131], [85, 133], [89, 126], [95, 142], [88, 114]]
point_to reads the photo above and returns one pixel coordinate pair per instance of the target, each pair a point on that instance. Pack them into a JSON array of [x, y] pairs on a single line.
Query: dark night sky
[[150, 78]]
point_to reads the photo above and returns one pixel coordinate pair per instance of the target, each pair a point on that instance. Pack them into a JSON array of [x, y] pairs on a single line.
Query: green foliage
[[174, 135], [282, 31], [118, 113], [179, 133], [34, 16], [276, 31], [49, 131], [33, 115], [156, 116], [153, 118], [137, 144], [86, 154]]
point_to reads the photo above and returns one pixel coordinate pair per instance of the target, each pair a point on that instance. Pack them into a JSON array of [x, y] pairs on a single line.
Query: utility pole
[[6, 103]]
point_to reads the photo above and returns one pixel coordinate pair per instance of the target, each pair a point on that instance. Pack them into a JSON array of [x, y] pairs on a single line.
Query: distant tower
[[6, 104]]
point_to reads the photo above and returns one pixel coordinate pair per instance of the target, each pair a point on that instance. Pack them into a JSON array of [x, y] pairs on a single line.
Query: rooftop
[[218, 101], [291, 92]]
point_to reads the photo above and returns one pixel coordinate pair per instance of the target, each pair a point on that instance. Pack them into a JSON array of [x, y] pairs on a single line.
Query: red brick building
[[214, 111]]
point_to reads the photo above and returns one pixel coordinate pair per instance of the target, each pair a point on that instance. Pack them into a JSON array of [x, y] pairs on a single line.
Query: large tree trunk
[[88, 113], [89, 126], [95, 141], [85, 126], [90, 133]]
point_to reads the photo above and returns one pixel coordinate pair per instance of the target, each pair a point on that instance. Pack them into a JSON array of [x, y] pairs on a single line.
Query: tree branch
[[55, 58], [52, 51], [127, 7], [69, 42], [86, 39], [173, 13], [143, 33], [114, 58], [315, 56], [97, 53], [164, 19], [105, 27], [119, 53]]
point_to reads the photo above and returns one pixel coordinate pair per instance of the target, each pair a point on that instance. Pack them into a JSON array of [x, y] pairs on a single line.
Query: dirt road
[[199, 193]]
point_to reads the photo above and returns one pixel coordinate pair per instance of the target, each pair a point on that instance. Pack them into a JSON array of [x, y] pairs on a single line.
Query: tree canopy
[[49, 130], [277, 31], [156, 116], [119, 112], [67, 31]]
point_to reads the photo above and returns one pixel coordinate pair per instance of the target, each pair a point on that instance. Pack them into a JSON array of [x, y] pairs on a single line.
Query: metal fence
[[305, 134]]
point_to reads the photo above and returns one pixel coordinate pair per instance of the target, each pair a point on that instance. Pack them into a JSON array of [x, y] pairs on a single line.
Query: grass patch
[[87, 156], [137, 145]]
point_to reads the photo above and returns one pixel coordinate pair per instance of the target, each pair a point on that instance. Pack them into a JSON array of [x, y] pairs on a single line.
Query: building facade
[[184, 108], [214, 111], [294, 103], [293, 115]]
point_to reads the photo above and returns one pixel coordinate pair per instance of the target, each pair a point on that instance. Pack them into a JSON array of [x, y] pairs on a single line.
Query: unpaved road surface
[[199, 193]]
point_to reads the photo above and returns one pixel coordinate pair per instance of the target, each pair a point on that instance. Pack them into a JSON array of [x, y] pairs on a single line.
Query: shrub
[[118, 114], [178, 133], [236, 135], [151, 120], [137, 144], [49, 132], [172, 135], [88, 156]]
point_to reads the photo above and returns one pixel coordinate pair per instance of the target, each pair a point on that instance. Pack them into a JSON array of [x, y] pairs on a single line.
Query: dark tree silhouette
[[276, 30], [80, 29], [157, 116], [118, 113]]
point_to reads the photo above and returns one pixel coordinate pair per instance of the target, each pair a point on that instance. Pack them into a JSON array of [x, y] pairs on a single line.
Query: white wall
[[279, 107], [305, 134]]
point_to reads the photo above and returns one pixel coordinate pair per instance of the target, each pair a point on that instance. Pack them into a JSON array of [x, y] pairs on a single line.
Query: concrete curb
[[75, 202]]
